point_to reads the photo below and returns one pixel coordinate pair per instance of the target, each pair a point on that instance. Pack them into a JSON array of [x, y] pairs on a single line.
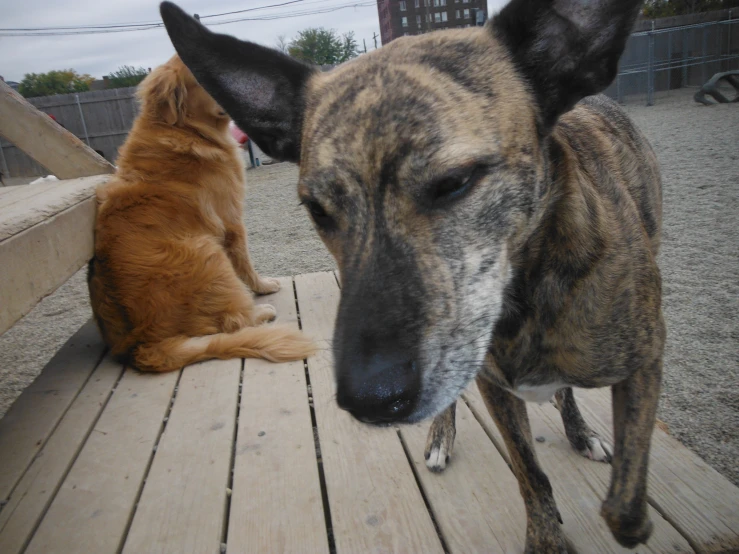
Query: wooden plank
[[183, 504], [579, 485], [276, 504], [94, 504], [46, 141], [38, 260], [34, 204], [374, 500], [476, 501], [698, 500], [31, 419], [35, 491]]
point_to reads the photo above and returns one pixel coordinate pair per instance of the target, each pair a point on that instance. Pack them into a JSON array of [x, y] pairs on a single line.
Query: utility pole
[[374, 37], [364, 41]]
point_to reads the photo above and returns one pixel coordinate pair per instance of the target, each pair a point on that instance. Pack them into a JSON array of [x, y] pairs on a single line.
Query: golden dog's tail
[[272, 342]]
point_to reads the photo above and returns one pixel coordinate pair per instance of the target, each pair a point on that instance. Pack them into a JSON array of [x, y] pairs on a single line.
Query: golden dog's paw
[[264, 313], [266, 285]]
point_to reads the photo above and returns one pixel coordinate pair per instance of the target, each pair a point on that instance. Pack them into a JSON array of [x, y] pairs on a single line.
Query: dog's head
[[172, 95], [421, 164]]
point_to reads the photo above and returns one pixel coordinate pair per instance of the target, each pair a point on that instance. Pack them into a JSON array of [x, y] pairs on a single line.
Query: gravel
[[697, 147]]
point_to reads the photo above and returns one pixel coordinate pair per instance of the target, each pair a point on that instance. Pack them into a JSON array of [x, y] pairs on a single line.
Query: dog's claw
[[598, 450]]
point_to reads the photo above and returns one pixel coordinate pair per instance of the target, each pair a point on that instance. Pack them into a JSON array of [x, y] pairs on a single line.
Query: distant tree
[[349, 48], [54, 82], [323, 47], [281, 44], [127, 76], [654, 9]]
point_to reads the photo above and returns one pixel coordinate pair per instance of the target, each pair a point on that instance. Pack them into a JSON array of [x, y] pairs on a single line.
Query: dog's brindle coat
[[483, 224]]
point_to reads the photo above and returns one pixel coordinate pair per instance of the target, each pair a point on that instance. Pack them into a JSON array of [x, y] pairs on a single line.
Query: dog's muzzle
[[385, 390]]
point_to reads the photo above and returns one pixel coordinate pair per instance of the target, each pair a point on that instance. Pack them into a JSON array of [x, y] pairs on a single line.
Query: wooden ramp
[[255, 457]]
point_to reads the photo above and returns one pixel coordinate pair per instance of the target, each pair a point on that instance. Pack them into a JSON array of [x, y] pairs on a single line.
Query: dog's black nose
[[382, 391]]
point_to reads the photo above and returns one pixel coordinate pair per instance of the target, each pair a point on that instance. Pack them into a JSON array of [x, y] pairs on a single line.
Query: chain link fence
[[660, 60]]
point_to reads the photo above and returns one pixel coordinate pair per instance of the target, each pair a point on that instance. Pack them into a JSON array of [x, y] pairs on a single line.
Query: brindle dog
[[489, 222]]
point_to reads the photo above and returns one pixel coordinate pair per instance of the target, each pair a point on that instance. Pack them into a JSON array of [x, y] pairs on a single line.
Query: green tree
[[323, 47], [127, 76], [54, 82]]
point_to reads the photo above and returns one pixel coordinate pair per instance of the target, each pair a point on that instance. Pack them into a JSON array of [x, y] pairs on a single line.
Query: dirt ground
[[697, 147]]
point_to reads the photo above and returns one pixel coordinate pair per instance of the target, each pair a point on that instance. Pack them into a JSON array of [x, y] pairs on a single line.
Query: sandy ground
[[697, 147]]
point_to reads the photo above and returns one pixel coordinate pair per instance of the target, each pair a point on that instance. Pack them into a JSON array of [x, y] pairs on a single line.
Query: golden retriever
[[171, 280]]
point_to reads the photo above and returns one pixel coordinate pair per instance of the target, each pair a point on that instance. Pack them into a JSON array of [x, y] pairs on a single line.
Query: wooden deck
[[248, 456]]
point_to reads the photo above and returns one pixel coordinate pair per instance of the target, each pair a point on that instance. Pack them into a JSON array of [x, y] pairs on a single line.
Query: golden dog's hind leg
[[238, 252], [634, 414], [544, 533]]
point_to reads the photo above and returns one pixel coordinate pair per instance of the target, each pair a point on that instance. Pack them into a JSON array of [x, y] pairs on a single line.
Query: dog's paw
[[437, 457], [546, 543], [264, 313], [266, 285], [630, 526], [598, 449]]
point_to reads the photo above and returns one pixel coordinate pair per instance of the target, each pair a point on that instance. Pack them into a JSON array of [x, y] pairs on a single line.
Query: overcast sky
[[101, 54]]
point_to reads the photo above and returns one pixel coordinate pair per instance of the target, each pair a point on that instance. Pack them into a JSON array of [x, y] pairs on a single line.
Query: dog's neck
[[556, 195]]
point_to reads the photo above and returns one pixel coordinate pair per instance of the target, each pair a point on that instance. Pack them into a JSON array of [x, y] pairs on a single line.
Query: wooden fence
[[101, 118]]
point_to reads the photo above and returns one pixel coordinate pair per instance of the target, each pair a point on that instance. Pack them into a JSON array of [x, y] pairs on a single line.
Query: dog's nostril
[[383, 390], [398, 406]]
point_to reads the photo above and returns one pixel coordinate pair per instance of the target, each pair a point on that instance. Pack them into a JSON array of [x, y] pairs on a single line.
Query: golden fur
[[171, 277]]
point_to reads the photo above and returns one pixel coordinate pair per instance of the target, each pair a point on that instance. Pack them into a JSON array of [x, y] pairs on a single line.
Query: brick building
[[414, 17]]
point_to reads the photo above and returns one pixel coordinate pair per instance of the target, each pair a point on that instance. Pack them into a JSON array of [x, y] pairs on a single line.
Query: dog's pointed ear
[[566, 49], [261, 89]]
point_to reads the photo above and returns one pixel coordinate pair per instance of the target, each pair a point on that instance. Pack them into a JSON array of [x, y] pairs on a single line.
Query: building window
[[418, 21], [443, 2], [429, 17], [437, 17], [443, 16], [457, 15], [465, 1], [418, 3], [405, 34], [404, 21], [402, 5], [466, 14]]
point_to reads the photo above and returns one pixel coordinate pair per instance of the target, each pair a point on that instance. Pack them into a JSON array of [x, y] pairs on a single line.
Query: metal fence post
[[685, 58], [650, 69], [82, 118], [669, 61], [705, 55], [6, 171]]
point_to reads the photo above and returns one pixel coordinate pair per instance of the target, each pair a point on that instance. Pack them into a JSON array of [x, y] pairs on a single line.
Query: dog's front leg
[[440, 439], [543, 531], [237, 249], [583, 439], [634, 412]]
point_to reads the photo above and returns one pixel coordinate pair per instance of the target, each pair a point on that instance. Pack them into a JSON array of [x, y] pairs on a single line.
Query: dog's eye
[[453, 187], [319, 215]]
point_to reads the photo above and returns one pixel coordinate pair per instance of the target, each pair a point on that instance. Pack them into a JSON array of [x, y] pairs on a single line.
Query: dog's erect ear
[[260, 88], [567, 49], [163, 94]]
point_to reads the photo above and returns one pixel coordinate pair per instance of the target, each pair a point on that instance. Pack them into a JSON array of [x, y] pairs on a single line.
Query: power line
[[144, 26], [144, 23]]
